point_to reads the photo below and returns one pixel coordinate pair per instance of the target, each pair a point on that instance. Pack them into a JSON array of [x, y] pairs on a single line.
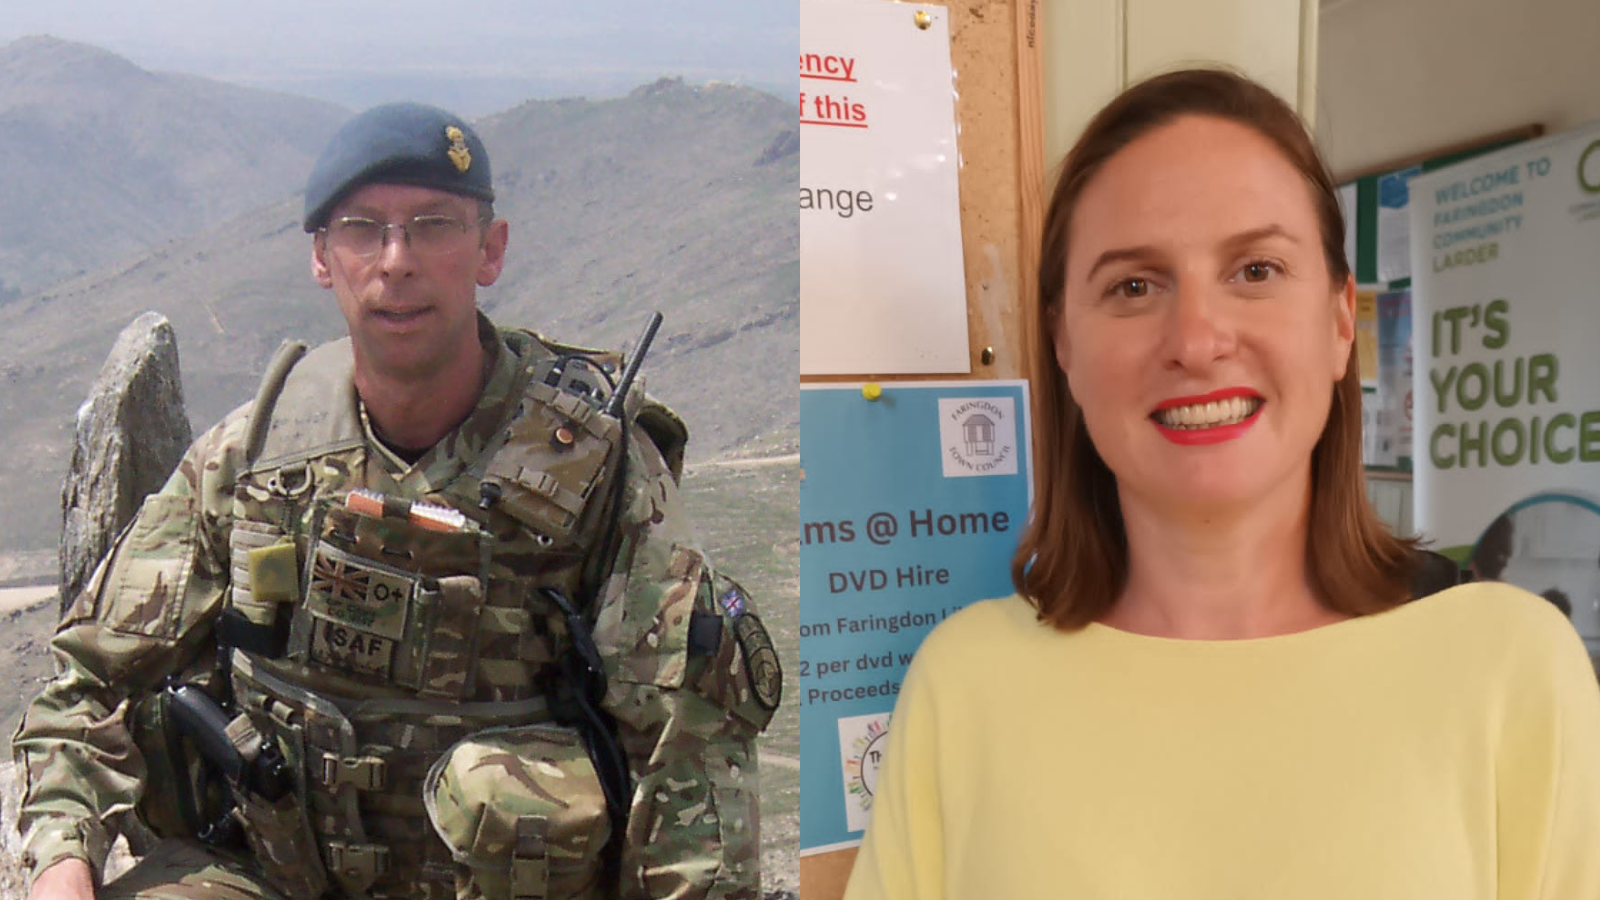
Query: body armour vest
[[397, 640]]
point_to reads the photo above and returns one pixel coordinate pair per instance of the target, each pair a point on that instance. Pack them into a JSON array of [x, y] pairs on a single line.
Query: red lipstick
[[1216, 435], [1223, 394]]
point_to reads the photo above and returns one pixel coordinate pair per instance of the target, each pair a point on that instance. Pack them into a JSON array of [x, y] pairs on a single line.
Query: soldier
[[424, 619]]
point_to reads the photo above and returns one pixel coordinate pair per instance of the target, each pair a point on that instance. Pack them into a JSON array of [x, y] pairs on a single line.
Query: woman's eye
[[1131, 287], [1257, 271]]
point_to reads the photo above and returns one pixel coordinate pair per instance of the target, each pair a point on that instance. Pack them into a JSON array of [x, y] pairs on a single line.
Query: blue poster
[[911, 508]]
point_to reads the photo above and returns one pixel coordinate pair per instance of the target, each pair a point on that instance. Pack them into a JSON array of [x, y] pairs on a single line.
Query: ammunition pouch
[[523, 813]]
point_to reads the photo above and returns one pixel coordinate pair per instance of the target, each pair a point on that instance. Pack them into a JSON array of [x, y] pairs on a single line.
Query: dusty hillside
[[106, 161]]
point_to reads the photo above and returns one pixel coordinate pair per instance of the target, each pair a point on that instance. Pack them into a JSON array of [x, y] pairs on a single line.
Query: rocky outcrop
[[787, 143], [131, 432]]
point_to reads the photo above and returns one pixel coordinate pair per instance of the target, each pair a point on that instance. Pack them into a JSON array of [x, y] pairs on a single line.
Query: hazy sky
[[478, 55]]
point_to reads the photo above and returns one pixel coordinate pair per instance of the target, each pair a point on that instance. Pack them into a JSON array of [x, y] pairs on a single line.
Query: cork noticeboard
[[995, 54]]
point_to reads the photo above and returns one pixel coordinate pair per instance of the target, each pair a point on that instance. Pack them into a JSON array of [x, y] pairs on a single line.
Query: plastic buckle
[[530, 860], [359, 863], [364, 773]]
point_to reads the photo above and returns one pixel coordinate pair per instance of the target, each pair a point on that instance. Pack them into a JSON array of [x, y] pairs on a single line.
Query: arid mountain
[[675, 197], [106, 161]]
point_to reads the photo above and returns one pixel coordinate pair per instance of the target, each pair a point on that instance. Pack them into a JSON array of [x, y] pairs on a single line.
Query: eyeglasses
[[429, 235]]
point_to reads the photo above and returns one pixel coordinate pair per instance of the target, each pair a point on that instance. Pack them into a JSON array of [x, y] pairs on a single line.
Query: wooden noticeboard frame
[[994, 49]]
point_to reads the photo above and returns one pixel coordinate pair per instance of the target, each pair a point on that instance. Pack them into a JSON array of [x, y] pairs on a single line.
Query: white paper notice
[[882, 284], [1394, 225]]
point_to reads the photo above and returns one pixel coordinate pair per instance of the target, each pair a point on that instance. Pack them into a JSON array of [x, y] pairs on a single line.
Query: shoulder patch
[[761, 664], [760, 660]]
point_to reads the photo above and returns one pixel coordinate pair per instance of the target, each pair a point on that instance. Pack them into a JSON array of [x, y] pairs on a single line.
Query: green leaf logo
[[1589, 168]]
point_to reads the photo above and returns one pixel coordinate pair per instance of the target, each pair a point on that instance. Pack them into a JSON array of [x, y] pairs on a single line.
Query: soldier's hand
[[69, 879]]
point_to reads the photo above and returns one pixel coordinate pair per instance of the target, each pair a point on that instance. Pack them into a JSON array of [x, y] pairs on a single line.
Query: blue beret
[[399, 143]]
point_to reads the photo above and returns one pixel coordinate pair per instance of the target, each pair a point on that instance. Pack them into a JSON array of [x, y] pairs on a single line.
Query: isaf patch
[[351, 649]]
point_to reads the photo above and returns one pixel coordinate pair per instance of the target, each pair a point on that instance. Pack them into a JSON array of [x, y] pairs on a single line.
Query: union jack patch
[[339, 580], [733, 603], [359, 593]]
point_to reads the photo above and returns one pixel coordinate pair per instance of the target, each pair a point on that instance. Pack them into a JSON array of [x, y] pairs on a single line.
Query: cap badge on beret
[[397, 143], [458, 152]]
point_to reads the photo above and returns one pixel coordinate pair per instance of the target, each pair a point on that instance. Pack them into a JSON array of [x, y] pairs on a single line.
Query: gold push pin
[[922, 19], [871, 390]]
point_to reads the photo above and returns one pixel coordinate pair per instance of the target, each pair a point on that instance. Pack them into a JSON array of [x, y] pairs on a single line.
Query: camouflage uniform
[[414, 680]]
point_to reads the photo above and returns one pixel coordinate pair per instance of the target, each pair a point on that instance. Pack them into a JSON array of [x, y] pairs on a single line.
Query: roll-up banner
[[1505, 260]]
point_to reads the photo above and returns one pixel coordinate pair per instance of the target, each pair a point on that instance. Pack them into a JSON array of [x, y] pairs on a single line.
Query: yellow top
[[1446, 749]]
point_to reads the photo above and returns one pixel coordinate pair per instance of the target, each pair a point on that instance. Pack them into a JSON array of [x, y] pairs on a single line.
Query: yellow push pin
[[871, 390]]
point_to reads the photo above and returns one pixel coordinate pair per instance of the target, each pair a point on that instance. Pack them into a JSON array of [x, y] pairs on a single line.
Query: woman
[[1212, 684]]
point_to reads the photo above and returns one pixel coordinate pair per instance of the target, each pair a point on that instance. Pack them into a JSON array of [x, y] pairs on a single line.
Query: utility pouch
[[523, 814], [554, 457], [280, 837]]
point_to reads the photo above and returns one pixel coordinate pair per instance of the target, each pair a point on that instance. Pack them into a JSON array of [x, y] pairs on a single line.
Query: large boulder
[[131, 432]]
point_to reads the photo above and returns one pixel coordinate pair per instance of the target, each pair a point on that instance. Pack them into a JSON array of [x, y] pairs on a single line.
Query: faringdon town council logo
[[978, 436]]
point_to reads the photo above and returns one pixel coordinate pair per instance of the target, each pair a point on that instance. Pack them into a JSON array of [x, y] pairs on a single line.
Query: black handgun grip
[[202, 720]]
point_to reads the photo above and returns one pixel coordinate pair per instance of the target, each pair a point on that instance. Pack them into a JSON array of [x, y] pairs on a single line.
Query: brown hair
[[1072, 562]]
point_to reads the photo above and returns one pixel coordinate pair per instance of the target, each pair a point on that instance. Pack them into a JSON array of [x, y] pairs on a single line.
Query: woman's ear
[[1344, 325]]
